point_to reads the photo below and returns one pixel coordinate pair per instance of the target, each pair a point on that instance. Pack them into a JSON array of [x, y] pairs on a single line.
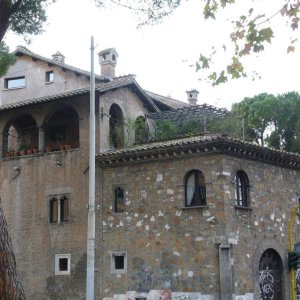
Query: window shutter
[[64, 209], [53, 210]]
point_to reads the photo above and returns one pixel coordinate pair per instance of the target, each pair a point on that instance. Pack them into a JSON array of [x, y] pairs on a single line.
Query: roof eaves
[[199, 145], [168, 101], [122, 81], [45, 99]]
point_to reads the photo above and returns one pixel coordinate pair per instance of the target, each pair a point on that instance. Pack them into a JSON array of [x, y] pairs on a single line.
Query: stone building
[[201, 217]]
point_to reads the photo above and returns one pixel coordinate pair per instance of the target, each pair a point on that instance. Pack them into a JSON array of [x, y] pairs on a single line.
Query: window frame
[[59, 209], [113, 268], [57, 270], [241, 189], [199, 189], [120, 186], [11, 79], [49, 76]]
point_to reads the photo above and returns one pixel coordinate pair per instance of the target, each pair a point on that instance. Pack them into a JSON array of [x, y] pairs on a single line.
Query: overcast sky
[[162, 56]]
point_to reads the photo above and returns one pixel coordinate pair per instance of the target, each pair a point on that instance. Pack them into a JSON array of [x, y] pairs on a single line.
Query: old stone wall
[[170, 247]]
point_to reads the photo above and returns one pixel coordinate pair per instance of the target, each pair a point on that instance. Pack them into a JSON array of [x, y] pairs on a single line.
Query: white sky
[[161, 55]]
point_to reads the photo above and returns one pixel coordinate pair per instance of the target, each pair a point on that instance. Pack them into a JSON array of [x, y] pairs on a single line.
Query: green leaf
[[6, 59]]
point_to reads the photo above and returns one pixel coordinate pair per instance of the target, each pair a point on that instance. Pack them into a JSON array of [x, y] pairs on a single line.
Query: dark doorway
[[270, 276]]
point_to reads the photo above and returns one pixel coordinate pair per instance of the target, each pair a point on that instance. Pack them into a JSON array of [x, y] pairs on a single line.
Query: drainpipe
[[90, 268]]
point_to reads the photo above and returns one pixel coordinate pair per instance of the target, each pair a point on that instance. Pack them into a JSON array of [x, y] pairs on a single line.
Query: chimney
[[58, 57], [108, 62], [192, 96]]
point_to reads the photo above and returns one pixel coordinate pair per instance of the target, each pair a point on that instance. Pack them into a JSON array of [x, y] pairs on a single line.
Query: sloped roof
[[158, 102], [198, 145], [117, 82], [24, 51], [167, 101]]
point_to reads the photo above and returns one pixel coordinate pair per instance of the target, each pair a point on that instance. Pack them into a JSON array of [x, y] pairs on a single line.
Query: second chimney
[[192, 96], [58, 57], [108, 62]]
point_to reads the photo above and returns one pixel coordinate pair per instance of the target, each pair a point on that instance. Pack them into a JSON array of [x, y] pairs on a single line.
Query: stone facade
[[172, 247], [155, 246]]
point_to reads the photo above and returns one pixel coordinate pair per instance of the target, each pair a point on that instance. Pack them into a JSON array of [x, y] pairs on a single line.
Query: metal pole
[[292, 273], [90, 268]]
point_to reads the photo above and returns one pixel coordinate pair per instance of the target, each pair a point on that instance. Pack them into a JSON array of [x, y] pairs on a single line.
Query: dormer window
[[14, 83], [49, 77]]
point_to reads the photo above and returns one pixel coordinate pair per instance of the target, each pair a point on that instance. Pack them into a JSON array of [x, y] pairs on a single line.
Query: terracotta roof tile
[[198, 145]]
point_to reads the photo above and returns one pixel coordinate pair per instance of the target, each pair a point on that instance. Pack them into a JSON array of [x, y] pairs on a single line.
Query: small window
[[195, 190], [62, 264], [59, 209], [49, 76], [14, 83], [118, 263], [119, 201], [241, 189]]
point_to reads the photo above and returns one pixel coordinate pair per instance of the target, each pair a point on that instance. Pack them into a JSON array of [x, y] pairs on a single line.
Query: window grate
[[63, 264], [119, 262]]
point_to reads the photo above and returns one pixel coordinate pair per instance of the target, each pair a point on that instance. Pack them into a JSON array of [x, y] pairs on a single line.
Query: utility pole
[[90, 266]]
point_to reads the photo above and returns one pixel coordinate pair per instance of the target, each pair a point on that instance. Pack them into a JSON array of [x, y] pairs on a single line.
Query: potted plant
[[22, 150], [48, 149]]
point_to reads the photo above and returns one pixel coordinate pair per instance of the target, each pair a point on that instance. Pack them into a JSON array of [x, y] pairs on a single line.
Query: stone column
[[41, 139], [225, 272]]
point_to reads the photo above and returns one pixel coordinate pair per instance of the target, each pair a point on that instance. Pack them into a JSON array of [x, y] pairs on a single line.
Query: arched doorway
[[270, 276]]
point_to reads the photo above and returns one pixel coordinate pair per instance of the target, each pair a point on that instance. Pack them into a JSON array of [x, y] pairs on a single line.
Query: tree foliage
[[250, 32], [24, 17], [272, 120], [197, 125]]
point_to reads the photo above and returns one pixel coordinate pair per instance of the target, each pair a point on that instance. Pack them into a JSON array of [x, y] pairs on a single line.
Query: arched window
[[140, 130], [241, 189], [62, 129], [116, 126], [195, 190], [21, 134]]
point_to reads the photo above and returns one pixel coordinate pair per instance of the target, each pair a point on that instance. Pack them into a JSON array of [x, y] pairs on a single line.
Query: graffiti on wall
[[266, 284], [297, 279]]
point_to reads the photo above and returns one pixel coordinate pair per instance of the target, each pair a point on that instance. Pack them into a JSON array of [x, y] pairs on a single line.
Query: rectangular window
[[62, 264], [118, 262], [14, 83], [119, 199], [59, 209], [49, 77]]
